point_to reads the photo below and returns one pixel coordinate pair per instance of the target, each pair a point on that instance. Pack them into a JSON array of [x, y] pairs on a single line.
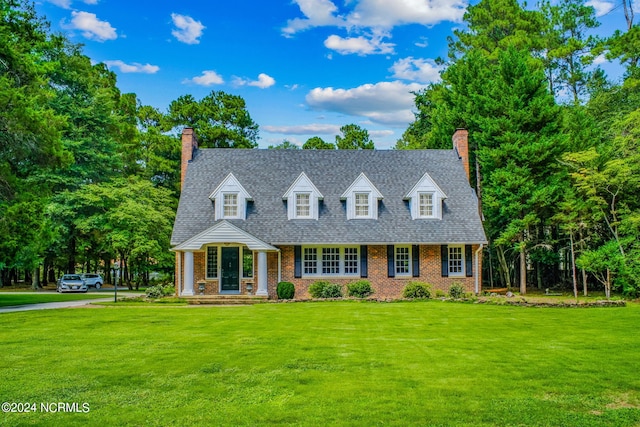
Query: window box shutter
[[391, 265], [415, 259], [468, 259], [444, 257], [297, 261], [363, 261]]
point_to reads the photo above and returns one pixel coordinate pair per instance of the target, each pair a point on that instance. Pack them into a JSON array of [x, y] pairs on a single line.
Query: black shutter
[[444, 257], [391, 265], [468, 259], [297, 261], [415, 255], [363, 261]]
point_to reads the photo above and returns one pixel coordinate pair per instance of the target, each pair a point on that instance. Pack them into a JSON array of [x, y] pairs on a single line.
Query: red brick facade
[[384, 287]]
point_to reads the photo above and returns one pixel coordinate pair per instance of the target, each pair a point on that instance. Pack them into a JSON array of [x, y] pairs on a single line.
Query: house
[[250, 218]]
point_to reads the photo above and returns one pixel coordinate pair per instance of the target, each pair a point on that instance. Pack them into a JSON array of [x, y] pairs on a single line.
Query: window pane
[[247, 262], [230, 205], [212, 261], [402, 260], [310, 261], [455, 260], [303, 207], [362, 204], [351, 261], [330, 260], [426, 204]]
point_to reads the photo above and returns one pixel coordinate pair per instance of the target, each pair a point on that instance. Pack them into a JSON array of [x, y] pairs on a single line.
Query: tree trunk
[[573, 268], [504, 267], [584, 282], [35, 279], [523, 269], [607, 285]]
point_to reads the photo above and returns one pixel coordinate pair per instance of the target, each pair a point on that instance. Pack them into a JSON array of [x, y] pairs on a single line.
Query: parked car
[[93, 280], [72, 283]]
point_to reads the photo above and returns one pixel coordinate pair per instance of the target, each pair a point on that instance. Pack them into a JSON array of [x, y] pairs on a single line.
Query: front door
[[230, 270]]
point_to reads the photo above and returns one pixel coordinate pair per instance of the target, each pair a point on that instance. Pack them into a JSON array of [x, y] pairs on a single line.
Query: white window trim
[[425, 185], [433, 204], [241, 249], [361, 185], [462, 260], [206, 262], [356, 204], [301, 185], [318, 262], [309, 205], [224, 205], [409, 273], [228, 186]]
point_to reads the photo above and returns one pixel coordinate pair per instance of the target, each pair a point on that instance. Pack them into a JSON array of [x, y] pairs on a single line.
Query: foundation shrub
[[415, 290], [456, 291], [285, 290], [322, 289], [359, 289]]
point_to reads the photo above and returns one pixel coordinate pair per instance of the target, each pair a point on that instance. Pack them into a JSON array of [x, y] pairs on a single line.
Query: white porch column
[[187, 289], [262, 273]]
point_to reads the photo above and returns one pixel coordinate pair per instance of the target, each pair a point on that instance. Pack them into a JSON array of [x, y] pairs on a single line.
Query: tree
[[354, 138], [222, 120], [317, 143], [284, 145]]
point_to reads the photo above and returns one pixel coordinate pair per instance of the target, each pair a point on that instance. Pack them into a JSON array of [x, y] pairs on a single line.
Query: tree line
[[554, 142]]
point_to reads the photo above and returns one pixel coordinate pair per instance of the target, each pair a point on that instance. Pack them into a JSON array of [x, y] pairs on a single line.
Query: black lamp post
[[116, 270]]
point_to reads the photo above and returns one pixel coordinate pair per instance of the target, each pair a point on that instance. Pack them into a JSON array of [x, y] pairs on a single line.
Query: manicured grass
[[335, 363], [7, 299]]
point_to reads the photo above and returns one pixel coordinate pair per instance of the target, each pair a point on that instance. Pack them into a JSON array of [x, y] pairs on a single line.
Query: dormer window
[[362, 199], [230, 205], [426, 205], [425, 199], [303, 199], [303, 205], [362, 205], [230, 199]]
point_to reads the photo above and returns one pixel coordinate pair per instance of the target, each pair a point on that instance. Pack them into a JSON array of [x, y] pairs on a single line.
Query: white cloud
[[376, 14], [385, 102], [380, 133], [600, 59], [602, 7], [318, 13], [264, 81], [359, 45], [416, 70], [65, 4], [309, 129], [91, 27], [133, 67], [91, 1], [188, 30], [208, 78]]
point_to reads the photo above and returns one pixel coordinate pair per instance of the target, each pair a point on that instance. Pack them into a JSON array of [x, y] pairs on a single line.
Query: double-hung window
[[403, 260], [230, 205], [425, 201], [212, 262], [331, 261], [303, 205], [456, 261], [361, 205]]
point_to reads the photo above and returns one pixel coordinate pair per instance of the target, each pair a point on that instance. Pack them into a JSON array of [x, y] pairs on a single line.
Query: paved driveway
[[62, 304]]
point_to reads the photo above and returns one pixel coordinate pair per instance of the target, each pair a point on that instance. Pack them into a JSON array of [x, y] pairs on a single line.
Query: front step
[[226, 299]]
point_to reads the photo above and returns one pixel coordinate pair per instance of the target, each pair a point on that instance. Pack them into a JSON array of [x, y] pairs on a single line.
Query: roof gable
[[230, 183], [426, 183], [224, 232], [302, 183], [362, 183]]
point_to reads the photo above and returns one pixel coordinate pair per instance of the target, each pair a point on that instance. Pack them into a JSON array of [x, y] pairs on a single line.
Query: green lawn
[[316, 364], [8, 299]]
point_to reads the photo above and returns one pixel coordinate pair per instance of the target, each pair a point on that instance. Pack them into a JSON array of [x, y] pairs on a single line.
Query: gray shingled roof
[[267, 174]]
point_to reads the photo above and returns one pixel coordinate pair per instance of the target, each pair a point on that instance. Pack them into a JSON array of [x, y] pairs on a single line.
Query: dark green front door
[[230, 264]]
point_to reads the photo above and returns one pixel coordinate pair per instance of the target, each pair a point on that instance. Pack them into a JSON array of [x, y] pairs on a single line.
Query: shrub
[[417, 290], [359, 289], [440, 293], [456, 291], [158, 291], [285, 290], [321, 289]]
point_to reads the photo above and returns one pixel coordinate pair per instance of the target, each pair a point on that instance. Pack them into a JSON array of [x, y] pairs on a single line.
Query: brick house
[[248, 219]]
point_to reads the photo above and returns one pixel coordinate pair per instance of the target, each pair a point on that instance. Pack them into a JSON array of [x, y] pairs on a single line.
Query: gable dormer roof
[[426, 183], [302, 182], [362, 182], [230, 183]]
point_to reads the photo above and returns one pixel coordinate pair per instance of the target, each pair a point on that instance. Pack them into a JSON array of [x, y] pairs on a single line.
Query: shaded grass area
[[8, 299], [339, 363]]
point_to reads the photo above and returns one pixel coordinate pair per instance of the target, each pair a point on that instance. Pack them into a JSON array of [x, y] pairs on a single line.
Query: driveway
[[63, 304]]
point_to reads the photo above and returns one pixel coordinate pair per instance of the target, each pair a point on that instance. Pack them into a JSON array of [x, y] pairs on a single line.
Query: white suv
[[92, 279]]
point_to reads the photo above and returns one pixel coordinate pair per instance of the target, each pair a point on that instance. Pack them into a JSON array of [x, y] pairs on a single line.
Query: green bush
[[456, 291], [417, 290], [359, 289], [321, 289], [285, 290], [440, 293], [158, 291]]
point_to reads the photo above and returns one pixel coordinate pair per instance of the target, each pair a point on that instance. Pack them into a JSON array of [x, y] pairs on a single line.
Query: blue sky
[[304, 67]]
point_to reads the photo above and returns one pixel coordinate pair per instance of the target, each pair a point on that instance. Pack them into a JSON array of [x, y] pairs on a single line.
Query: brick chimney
[[189, 147], [461, 145]]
